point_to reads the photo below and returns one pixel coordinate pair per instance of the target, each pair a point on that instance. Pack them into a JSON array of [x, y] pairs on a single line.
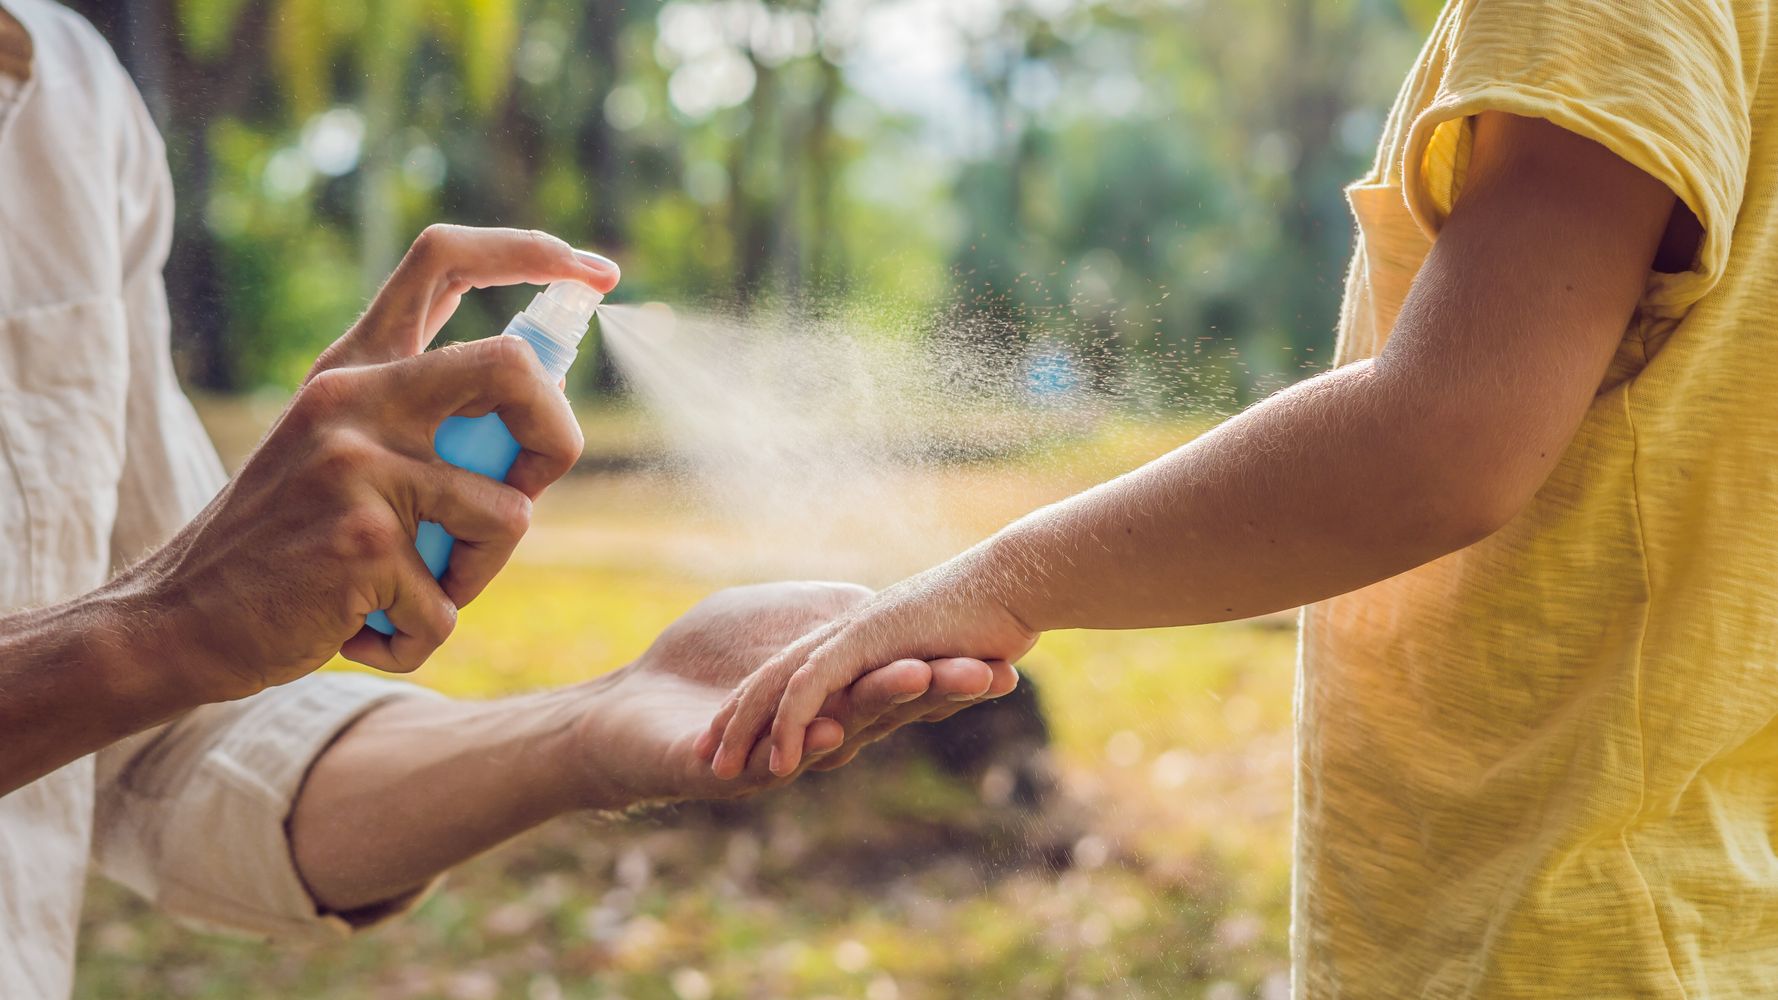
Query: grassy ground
[[1158, 869]]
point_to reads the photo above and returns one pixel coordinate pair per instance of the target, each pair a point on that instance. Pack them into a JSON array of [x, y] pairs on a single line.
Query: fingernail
[[962, 697], [902, 699], [599, 261], [772, 764]]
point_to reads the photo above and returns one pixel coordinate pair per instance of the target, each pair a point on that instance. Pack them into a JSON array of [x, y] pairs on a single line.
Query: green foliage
[[482, 33], [208, 25], [308, 34], [1138, 179]]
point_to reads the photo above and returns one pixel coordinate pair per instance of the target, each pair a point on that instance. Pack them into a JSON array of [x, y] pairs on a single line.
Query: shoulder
[[70, 52], [80, 76]]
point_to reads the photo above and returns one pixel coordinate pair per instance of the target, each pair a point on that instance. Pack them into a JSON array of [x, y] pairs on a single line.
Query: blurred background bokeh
[[1155, 179]]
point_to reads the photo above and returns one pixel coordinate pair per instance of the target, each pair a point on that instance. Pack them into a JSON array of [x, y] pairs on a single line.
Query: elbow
[[1479, 518], [1459, 506], [1464, 470]]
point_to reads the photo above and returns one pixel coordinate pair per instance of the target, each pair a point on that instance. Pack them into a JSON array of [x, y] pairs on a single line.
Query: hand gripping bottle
[[552, 324]]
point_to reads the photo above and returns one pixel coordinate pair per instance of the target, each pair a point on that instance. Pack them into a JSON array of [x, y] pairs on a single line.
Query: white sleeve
[[170, 468], [193, 815]]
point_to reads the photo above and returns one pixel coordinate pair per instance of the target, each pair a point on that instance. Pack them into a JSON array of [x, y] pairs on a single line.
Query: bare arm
[[1377, 467], [1341, 481], [82, 675], [419, 785]]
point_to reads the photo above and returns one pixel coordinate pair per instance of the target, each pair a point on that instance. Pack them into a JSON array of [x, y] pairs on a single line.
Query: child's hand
[[935, 615]]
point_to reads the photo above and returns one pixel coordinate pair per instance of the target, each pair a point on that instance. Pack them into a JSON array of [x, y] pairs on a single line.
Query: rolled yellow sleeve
[[1666, 90], [193, 815]]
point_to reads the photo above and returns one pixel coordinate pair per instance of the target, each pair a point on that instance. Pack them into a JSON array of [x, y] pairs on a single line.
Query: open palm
[[654, 710]]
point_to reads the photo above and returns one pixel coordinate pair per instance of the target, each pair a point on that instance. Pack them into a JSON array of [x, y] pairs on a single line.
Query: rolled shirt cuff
[[197, 820]]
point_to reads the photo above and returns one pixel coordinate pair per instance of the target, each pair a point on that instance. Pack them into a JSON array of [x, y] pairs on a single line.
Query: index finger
[[443, 263], [496, 374]]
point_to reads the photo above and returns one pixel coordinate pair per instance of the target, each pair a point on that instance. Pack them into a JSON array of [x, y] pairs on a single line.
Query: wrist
[[165, 638], [128, 659], [592, 746], [1005, 575], [556, 770], [75, 678]]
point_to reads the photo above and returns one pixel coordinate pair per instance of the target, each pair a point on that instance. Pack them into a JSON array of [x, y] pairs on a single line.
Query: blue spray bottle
[[553, 325]]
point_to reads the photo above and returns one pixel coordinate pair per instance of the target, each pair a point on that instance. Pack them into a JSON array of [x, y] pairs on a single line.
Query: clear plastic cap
[[564, 310]]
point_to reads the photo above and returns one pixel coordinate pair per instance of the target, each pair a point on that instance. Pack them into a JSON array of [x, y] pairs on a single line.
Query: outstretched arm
[[417, 786], [1343, 480]]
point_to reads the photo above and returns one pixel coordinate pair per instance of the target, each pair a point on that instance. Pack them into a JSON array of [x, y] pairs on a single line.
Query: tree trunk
[[145, 35], [753, 211], [596, 145]]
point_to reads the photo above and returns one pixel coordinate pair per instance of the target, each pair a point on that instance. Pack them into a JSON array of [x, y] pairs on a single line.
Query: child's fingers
[[878, 702], [747, 722], [830, 668], [712, 739], [744, 715], [791, 722]]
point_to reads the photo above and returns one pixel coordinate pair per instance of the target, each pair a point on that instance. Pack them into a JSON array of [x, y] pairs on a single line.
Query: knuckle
[[324, 394], [576, 441], [361, 537], [799, 685], [513, 511], [745, 723], [432, 240], [344, 454], [348, 603], [456, 353], [512, 360]]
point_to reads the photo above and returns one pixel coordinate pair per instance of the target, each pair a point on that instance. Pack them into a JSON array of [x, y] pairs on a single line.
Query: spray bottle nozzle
[[564, 310], [579, 299]]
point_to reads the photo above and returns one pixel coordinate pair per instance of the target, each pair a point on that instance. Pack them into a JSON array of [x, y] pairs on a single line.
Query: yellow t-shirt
[[1547, 765]]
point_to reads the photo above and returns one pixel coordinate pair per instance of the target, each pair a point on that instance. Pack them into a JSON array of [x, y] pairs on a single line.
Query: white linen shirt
[[102, 457]]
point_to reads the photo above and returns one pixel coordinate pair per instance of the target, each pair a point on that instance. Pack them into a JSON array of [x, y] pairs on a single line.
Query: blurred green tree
[[1135, 180]]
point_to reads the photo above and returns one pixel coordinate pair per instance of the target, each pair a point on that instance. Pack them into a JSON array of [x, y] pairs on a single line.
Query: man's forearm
[[81, 675], [419, 785]]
